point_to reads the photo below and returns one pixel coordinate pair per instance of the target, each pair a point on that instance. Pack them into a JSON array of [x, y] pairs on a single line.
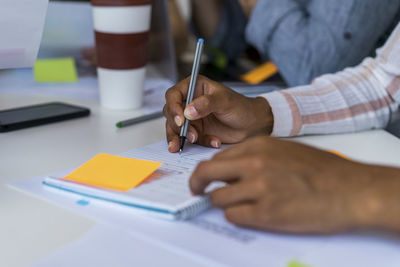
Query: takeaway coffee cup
[[122, 33]]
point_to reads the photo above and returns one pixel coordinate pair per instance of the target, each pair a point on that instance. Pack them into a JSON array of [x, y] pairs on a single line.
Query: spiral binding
[[195, 208]]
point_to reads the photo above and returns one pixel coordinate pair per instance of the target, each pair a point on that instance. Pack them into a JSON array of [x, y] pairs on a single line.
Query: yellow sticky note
[[57, 70], [337, 153], [113, 172], [260, 73], [296, 264]]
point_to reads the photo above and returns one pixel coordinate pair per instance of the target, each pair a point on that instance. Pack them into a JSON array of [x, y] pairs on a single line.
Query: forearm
[[379, 206], [344, 102], [222, 23], [359, 98], [206, 16]]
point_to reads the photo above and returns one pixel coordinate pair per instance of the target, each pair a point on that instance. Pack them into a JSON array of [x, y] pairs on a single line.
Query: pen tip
[[119, 125]]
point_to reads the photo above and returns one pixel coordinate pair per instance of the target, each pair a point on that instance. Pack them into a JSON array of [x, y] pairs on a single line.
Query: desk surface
[[29, 228]]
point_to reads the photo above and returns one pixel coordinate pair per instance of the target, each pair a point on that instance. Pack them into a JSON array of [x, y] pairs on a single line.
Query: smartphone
[[29, 116]]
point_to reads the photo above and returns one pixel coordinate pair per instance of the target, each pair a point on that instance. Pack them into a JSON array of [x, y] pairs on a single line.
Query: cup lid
[[120, 2]]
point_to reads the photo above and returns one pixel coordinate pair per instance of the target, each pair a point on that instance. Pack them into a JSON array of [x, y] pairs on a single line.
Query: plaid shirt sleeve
[[355, 99]]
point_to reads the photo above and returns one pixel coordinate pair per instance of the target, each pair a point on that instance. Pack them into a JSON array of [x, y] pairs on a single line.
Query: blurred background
[[215, 64]]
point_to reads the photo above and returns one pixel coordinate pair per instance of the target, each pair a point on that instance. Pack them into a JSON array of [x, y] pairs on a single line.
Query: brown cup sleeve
[[120, 2], [122, 51]]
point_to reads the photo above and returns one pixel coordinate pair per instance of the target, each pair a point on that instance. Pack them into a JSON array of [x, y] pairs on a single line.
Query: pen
[[143, 118], [192, 87]]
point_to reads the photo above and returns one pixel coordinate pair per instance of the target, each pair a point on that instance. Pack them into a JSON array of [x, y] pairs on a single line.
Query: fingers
[[243, 215], [301, 214], [213, 102], [173, 136], [172, 139], [249, 147], [234, 194], [201, 107], [209, 141], [175, 97], [209, 171]]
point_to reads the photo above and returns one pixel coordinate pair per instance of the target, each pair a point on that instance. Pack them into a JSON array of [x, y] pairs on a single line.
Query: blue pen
[[192, 87]]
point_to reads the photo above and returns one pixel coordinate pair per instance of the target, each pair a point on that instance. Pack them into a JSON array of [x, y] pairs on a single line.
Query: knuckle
[[261, 185], [201, 164], [216, 198], [168, 93], [192, 183], [217, 156], [200, 167], [205, 102], [170, 127], [230, 215], [201, 78], [257, 162]]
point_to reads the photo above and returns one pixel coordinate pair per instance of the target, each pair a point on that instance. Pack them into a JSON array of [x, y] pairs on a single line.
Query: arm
[[355, 99], [222, 23], [284, 186], [206, 15], [323, 34]]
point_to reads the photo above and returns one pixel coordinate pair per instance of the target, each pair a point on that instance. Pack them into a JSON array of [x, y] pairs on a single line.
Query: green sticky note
[[56, 70], [296, 264]]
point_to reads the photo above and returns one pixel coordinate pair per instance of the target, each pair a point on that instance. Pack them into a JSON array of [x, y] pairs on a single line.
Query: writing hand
[[218, 114]]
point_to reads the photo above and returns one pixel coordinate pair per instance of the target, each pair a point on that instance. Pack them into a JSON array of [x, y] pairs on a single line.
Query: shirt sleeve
[[359, 98], [308, 38]]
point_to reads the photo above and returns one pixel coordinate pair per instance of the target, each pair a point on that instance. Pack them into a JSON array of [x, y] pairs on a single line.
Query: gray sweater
[[308, 38]]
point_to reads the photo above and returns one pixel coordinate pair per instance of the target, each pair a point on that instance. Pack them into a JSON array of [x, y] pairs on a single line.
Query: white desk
[[29, 227]]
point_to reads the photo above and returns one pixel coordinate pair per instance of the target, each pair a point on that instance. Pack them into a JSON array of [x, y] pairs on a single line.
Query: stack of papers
[[21, 27]]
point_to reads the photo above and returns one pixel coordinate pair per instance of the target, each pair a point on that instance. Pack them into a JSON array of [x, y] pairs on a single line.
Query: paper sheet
[[21, 27], [55, 70], [209, 235], [105, 246], [296, 264], [113, 172]]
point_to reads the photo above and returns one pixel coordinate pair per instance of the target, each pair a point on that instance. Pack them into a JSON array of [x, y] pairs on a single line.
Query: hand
[[289, 187], [218, 114], [248, 6], [89, 53], [206, 16]]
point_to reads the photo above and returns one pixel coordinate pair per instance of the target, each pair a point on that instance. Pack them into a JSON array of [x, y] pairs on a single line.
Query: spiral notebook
[[165, 194]]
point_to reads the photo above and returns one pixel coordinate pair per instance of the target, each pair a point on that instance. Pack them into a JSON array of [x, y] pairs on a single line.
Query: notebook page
[[170, 183], [167, 188]]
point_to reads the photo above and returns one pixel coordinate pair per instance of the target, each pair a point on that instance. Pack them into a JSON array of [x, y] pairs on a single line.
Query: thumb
[[201, 107]]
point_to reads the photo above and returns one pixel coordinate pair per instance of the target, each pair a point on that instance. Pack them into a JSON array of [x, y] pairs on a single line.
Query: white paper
[[21, 27], [106, 246], [210, 236], [167, 190], [68, 29]]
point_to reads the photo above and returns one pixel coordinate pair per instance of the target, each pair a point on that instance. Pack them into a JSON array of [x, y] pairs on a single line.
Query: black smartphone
[[29, 116]]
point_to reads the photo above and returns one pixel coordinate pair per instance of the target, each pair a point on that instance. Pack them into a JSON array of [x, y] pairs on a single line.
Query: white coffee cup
[[121, 28]]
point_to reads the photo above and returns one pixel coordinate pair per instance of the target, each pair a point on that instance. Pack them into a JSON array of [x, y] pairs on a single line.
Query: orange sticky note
[[113, 172], [260, 73], [339, 154]]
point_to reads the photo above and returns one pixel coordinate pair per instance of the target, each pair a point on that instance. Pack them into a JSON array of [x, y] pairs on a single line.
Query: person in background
[[284, 186], [304, 38]]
